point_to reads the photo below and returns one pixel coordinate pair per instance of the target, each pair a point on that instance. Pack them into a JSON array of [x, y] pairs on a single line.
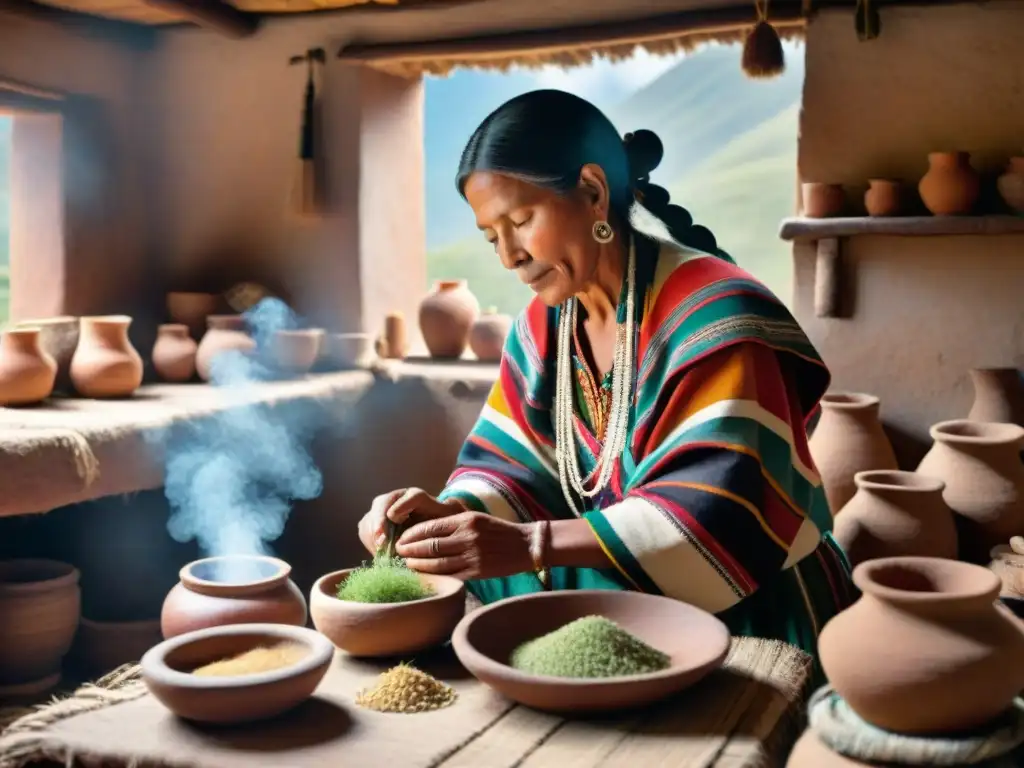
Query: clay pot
[[896, 513], [192, 309], [446, 316], [951, 187], [103, 646], [998, 396], [217, 591], [822, 201], [391, 629], [810, 752], [883, 198], [980, 464], [295, 351], [40, 604], [1011, 185], [166, 671], [27, 373], [174, 354], [225, 333], [848, 439], [105, 363], [488, 334], [346, 351], [1008, 564], [394, 343], [925, 649], [58, 337]]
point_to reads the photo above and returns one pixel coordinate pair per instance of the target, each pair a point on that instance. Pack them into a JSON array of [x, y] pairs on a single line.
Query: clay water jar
[[40, 604], [191, 309], [822, 201], [896, 513], [58, 336], [998, 395], [27, 373], [224, 333], [883, 198], [446, 316], [235, 589], [848, 439], [951, 186], [295, 351], [105, 363], [488, 334], [174, 353], [1011, 185], [981, 466], [926, 649]]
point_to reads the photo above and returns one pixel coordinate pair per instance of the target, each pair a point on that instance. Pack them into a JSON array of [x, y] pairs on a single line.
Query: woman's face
[[545, 237]]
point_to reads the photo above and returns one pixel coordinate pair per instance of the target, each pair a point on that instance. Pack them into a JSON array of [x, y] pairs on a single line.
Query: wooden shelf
[[802, 229]]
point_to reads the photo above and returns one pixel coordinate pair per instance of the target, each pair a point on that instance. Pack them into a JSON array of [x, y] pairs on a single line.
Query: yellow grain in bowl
[[255, 661]]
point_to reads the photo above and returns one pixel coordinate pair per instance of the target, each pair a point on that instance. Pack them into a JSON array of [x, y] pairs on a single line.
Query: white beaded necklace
[[569, 474]]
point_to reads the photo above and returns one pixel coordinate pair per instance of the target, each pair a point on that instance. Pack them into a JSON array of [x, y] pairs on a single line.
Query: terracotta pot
[[296, 351], [998, 396], [103, 646], [810, 752], [174, 354], [488, 334], [192, 309], [1011, 185], [391, 629], [896, 513], [217, 591], [925, 649], [848, 439], [105, 363], [951, 187], [241, 698], [225, 333], [58, 336], [446, 316], [884, 198], [40, 604], [345, 351], [980, 464], [27, 373], [822, 201], [1008, 564], [394, 344]]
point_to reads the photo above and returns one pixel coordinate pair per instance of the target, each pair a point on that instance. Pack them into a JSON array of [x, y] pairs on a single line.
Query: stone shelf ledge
[[71, 450]]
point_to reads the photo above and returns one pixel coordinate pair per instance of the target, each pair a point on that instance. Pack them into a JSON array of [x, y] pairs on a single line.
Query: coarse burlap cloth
[[745, 715]]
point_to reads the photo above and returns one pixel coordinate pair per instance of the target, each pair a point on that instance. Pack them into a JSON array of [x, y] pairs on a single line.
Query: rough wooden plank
[[802, 229]]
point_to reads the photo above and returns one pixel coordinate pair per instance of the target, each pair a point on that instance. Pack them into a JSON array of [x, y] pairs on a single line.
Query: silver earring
[[603, 232]]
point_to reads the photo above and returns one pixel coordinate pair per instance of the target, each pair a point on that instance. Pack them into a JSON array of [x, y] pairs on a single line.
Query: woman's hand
[[467, 545], [401, 506]]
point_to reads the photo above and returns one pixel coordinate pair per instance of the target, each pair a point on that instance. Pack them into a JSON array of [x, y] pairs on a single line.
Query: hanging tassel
[[306, 192], [762, 50]]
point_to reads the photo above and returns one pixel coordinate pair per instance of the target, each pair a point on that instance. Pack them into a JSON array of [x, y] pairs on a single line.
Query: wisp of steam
[[231, 477]]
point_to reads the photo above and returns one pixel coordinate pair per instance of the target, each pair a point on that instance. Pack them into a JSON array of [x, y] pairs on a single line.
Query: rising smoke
[[231, 478]]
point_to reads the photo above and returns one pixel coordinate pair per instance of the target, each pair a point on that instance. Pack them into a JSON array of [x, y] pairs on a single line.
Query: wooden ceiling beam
[[212, 14]]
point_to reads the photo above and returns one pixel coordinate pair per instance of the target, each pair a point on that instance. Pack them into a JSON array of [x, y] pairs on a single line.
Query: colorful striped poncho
[[716, 493]]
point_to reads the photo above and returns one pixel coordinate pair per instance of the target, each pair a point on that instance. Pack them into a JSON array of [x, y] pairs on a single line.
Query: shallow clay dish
[[695, 641], [167, 672], [387, 629]]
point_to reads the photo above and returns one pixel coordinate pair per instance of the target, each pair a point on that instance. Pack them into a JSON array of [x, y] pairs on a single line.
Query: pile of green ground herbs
[[590, 647], [385, 580], [406, 689]]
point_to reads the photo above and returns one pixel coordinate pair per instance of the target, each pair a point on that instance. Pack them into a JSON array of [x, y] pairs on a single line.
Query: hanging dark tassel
[[306, 195], [762, 50]]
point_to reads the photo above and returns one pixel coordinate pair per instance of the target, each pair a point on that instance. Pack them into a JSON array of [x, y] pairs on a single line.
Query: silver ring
[[435, 547]]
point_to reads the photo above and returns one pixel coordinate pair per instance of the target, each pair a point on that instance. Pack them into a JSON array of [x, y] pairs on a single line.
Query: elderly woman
[[647, 429]]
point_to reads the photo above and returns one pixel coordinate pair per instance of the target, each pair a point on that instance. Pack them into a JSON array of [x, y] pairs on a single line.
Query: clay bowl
[[391, 629], [296, 351], [696, 642], [167, 667]]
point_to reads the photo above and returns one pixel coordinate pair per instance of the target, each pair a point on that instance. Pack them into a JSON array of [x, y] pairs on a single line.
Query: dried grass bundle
[[762, 50]]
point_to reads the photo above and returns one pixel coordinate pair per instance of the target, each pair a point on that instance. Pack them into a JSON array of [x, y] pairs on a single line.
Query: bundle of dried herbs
[[385, 580], [406, 689]]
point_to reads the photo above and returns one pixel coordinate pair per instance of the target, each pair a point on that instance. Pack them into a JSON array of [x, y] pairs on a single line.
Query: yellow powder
[[406, 689], [259, 659]]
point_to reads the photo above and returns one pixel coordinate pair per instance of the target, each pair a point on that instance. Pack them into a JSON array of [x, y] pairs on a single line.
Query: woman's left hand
[[467, 545]]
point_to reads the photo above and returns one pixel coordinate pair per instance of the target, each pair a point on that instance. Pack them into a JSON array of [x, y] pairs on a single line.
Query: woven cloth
[[844, 731]]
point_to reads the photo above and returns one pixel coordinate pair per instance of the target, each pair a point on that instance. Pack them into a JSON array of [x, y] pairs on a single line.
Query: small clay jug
[[998, 395], [883, 198], [27, 373], [58, 336], [446, 316], [822, 201], [224, 333], [394, 344], [295, 351], [1011, 185], [174, 354], [191, 309], [488, 334], [105, 363], [925, 650], [896, 513], [980, 463], [951, 187], [238, 589], [848, 439], [40, 605]]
